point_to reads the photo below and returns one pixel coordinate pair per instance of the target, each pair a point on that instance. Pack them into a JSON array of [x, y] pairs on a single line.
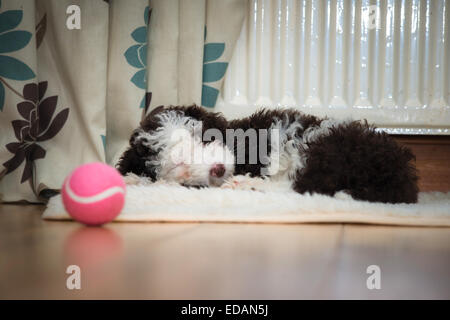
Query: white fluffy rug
[[253, 200]]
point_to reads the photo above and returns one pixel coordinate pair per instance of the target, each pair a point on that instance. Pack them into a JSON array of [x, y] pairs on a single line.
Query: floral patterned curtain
[[76, 77]]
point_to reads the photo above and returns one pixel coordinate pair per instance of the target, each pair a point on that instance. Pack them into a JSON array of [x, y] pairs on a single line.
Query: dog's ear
[[158, 109], [139, 143], [151, 122], [124, 163], [130, 161], [134, 136]]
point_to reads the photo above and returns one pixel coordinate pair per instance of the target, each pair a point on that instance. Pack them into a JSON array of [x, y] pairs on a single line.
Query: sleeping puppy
[[273, 148], [178, 144]]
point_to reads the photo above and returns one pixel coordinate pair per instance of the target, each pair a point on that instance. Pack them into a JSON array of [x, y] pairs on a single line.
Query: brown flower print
[[36, 126]]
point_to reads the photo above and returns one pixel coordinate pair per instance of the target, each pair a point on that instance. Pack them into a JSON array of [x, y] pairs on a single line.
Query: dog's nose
[[217, 170]]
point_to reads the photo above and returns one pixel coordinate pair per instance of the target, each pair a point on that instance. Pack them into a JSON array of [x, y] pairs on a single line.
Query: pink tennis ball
[[94, 193]]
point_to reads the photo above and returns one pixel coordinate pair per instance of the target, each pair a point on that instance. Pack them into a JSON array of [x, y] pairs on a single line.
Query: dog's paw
[[257, 184], [343, 195], [243, 183], [133, 179]]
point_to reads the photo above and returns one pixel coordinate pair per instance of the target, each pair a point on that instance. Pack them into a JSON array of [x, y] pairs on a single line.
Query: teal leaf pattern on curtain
[[35, 126], [103, 141], [209, 96], [140, 35], [2, 95], [14, 69], [133, 58], [14, 40], [212, 71], [139, 79], [213, 51], [136, 56], [10, 19], [11, 41]]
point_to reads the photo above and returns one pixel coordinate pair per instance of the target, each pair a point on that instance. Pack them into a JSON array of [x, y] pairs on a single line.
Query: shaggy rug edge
[[174, 203]]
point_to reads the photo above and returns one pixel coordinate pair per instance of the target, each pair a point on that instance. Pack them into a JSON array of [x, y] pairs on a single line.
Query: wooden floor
[[218, 261]]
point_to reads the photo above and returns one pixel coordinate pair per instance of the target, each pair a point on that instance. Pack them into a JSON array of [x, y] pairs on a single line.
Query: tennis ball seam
[[94, 198]]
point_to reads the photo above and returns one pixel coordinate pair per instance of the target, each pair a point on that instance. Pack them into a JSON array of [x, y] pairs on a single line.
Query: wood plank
[[432, 160], [414, 263]]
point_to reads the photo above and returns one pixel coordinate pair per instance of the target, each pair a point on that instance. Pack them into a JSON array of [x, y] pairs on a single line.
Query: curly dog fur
[[348, 156]]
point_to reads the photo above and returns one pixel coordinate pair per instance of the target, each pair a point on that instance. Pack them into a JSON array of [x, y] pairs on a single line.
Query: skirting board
[[269, 203]]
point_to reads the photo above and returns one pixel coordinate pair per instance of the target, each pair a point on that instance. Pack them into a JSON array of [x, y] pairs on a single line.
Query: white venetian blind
[[387, 61]]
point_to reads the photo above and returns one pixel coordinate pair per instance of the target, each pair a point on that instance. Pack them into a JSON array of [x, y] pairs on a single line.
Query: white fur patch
[[285, 157]]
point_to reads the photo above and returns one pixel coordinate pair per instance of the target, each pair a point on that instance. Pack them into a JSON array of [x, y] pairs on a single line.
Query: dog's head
[[176, 150], [189, 160]]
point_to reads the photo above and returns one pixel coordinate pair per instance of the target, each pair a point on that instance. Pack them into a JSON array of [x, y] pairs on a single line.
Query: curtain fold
[[72, 95], [190, 46]]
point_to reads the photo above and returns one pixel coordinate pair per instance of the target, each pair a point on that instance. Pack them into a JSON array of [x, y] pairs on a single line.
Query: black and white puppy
[[311, 154]]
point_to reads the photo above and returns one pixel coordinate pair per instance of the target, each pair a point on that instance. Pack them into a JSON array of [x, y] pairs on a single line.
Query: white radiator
[[387, 61]]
